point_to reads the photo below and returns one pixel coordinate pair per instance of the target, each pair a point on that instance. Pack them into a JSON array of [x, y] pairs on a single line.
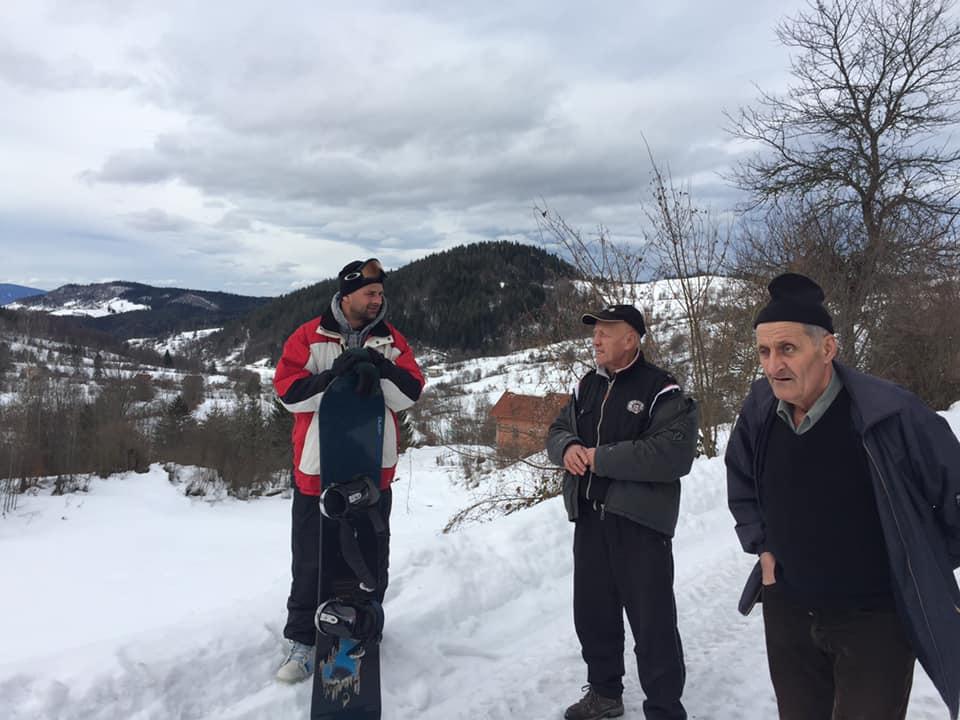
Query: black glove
[[377, 358], [348, 359], [368, 378]]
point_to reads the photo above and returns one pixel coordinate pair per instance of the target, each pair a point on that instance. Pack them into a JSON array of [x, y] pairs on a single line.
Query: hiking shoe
[[298, 665], [594, 707]]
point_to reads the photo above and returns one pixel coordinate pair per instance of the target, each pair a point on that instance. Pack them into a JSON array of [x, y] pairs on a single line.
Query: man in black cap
[[847, 487], [351, 334], [625, 438]]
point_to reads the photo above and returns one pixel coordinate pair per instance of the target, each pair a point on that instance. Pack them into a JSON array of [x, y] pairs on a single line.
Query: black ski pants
[[305, 545], [622, 565], [836, 664]]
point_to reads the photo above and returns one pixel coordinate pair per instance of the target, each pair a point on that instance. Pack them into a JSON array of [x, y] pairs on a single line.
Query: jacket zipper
[[913, 577], [603, 404]]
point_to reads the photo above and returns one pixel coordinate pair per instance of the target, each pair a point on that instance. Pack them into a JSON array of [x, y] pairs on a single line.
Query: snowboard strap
[[350, 547], [346, 503]]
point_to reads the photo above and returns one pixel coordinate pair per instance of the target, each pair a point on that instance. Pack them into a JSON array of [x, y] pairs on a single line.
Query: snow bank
[[133, 601]]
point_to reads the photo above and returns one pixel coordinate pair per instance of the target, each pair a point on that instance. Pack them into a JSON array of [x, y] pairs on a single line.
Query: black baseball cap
[[611, 313]]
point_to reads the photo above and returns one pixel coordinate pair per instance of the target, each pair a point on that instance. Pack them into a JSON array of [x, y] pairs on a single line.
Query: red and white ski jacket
[[309, 351]]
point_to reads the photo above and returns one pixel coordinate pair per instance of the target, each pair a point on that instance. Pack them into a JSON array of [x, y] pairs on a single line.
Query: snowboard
[[346, 681]]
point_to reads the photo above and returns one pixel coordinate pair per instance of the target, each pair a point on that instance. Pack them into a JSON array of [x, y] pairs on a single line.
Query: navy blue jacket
[[914, 463]]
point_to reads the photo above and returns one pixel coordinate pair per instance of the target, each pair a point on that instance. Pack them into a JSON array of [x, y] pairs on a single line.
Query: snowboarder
[[352, 332]]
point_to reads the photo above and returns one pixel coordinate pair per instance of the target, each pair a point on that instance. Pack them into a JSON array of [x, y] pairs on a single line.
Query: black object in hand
[[376, 357], [368, 377], [348, 359], [752, 591]]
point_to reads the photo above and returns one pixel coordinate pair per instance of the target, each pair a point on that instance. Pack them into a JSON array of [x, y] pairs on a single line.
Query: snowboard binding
[[360, 620], [337, 502], [345, 503]]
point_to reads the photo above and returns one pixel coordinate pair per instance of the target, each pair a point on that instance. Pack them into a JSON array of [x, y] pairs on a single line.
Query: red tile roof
[[533, 408]]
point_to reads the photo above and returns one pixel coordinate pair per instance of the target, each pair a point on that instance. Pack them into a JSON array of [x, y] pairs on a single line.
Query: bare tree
[[609, 269], [610, 272], [690, 245], [863, 134]]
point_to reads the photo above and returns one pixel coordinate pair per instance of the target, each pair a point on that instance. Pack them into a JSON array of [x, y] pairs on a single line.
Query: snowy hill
[[133, 601], [88, 300], [129, 309], [11, 293]]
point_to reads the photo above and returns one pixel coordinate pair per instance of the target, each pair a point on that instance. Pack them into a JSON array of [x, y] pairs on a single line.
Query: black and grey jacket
[[645, 432]]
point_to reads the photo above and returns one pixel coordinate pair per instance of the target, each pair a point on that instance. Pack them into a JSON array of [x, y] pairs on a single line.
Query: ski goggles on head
[[370, 268], [359, 273]]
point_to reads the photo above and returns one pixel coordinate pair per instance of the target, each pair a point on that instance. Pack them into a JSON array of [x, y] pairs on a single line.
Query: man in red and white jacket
[[312, 356]]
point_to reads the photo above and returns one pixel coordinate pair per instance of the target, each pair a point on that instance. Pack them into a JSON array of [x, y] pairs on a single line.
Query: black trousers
[[621, 565], [836, 665], [305, 546]]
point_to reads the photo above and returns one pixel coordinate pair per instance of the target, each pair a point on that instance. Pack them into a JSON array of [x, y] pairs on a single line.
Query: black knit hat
[[359, 273], [627, 313], [795, 298]]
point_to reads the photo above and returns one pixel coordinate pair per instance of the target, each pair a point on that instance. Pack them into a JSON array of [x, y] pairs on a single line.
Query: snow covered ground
[[91, 308], [133, 601], [177, 343]]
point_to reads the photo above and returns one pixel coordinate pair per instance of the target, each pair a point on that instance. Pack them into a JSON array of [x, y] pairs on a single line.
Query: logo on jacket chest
[[636, 406]]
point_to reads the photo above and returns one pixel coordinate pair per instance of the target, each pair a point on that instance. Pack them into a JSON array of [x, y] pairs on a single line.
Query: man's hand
[[348, 359], [576, 459], [376, 357], [368, 378], [768, 565]]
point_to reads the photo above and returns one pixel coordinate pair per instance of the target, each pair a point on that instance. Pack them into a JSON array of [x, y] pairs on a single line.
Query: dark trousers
[[305, 545], [838, 664], [621, 565]]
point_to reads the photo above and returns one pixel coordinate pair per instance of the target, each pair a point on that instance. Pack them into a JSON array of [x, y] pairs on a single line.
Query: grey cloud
[[208, 243], [32, 72], [157, 220], [285, 268], [108, 12], [234, 220], [133, 166]]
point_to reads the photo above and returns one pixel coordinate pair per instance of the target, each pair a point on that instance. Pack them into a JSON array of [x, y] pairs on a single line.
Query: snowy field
[[133, 601]]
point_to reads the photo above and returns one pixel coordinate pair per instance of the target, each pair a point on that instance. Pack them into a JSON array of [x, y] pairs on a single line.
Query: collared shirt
[[785, 409]]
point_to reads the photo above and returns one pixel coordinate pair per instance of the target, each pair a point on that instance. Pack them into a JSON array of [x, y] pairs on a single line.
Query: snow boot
[[593, 706], [298, 665]]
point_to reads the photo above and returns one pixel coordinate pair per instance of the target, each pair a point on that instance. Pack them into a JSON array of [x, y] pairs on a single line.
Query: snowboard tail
[[347, 687]]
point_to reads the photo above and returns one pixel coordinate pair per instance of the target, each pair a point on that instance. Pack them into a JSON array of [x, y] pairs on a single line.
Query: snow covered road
[[133, 601]]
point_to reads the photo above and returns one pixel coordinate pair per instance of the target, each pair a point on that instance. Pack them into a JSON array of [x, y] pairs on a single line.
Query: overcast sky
[[256, 147]]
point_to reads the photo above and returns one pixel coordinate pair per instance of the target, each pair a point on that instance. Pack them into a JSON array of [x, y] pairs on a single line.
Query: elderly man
[[848, 489], [625, 438]]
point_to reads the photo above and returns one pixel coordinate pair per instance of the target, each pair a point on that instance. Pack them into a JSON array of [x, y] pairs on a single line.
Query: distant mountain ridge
[[11, 293], [131, 309]]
